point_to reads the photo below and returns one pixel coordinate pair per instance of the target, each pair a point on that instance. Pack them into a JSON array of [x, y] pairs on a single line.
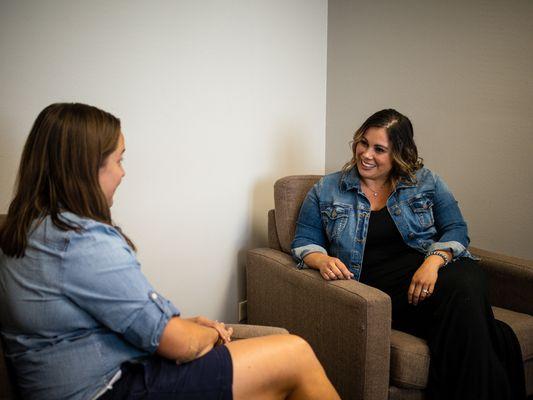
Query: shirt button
[[398, 211], [411, 235], [334, 214], [153, 296]]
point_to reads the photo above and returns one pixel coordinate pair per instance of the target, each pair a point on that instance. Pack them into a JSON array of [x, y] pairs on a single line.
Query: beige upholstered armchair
[[240, 331], [348, 324]]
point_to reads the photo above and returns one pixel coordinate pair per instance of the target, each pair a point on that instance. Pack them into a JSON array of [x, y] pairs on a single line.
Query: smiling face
[[111, 172], [373, 155]]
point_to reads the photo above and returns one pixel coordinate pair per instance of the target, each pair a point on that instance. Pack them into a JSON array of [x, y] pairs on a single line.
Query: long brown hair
[[58, 171], [404, 153]]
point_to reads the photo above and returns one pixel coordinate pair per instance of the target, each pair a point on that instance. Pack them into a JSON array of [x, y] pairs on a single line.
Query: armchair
[[348, 324]]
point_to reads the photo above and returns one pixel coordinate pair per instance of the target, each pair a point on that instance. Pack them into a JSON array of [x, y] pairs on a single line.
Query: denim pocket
[[422, 208], [334, 219]]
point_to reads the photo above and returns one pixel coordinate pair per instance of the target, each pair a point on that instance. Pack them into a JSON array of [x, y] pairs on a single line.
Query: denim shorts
[[209, 377]]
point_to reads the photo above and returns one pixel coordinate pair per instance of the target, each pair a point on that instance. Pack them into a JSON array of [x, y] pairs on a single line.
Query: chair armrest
[[347, 323], [244, 331], [510, 280]]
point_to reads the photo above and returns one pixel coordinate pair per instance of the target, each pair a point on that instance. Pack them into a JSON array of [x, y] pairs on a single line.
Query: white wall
[[462, 71], [217, 99]]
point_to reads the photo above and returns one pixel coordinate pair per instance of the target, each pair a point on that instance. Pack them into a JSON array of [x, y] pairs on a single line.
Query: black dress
[[473, 355]]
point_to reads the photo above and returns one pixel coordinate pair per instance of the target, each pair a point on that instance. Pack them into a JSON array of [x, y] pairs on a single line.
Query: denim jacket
[[335, 214], [74, 308]]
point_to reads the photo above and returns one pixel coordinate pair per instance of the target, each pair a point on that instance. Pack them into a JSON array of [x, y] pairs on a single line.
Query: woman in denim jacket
[[388, 222], [78, 317]]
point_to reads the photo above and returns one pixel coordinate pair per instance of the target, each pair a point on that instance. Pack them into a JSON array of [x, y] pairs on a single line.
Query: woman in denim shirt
[[388, 222], [79, 319]]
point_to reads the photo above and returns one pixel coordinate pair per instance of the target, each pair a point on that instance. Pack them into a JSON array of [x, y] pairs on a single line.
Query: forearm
[[184, 340]]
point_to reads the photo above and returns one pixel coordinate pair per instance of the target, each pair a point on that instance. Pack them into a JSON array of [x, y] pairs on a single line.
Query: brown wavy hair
[[58, 171], [405, 159]]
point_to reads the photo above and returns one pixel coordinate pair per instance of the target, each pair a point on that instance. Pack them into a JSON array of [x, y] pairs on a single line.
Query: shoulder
[[426, 178], [329, 181], [333, 177], [95, 240], [89, 228], [424, 174], [336, 187], [83, 223], [429, 181]]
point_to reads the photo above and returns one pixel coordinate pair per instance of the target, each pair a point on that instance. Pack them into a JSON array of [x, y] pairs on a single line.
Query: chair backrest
[[289, 194]]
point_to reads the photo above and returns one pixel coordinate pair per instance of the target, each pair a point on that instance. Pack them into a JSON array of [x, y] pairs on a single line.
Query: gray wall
[[463, 72], [217, 99]]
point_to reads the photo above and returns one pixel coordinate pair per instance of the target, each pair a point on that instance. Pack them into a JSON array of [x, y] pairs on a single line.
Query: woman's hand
[[425, 277], [224, 335], [330, 268]]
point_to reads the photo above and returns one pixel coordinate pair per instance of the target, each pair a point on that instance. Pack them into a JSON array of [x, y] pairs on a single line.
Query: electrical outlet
[[242, 311]]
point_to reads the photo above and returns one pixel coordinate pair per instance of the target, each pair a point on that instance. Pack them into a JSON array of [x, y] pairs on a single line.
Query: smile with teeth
[[367, 164]]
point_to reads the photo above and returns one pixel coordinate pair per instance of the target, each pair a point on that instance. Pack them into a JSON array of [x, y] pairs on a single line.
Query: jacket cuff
[[456, 248], [300, 252]]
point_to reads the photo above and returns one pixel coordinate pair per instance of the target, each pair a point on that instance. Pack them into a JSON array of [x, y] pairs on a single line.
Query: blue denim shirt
[[74, 308], [335, 214]]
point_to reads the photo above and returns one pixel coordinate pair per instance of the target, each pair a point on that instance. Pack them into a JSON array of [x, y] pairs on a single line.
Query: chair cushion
[[410, 355], [409, 360], [289, 194], [522, 325]]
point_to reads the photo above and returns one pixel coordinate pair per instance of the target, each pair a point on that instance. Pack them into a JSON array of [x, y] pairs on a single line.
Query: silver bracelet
[[441, 255]]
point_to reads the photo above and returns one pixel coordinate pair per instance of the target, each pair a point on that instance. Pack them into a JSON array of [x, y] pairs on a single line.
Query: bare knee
[[308, 378], [277, 366], [301, 352], [298, 342], [294, 354], [269, 366]]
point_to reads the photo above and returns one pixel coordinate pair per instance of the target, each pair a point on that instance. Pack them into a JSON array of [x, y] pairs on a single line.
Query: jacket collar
[[350, 180]]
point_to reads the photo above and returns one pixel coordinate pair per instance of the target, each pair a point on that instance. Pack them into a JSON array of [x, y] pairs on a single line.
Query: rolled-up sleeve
[[102, 276], [309, 236]]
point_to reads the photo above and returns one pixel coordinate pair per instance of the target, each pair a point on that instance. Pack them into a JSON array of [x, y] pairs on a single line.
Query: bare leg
[[278, 367]]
